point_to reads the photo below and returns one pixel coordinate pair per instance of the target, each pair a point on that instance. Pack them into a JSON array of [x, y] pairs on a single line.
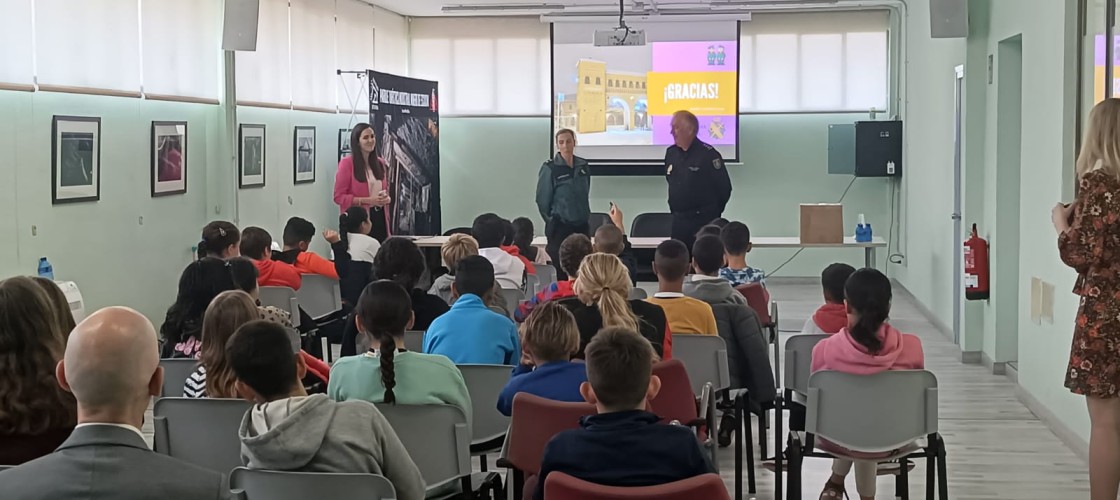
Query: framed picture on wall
[[169, 158], [304, 155], [343, 143], [75, 159], [250, 156]]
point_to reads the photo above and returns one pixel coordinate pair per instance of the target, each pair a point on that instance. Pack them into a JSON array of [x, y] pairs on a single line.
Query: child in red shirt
[[256, 244]]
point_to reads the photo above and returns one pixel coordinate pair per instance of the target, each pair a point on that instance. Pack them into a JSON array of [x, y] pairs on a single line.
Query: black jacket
[[698, 179], [651, 322]]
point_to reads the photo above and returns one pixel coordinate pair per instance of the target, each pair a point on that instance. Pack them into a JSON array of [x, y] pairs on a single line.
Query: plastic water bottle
[[45, 269]]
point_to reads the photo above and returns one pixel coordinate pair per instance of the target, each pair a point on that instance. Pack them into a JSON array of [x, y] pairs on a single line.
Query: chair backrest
[[281, 297], [596, 220], [705, 359], [535, 421], [175, 373], [799, 361], [249, 484], [637, 293], [484, 384], [319, 295], [435, 436], [546, 273], [758, 298], [413, 341], [560, 486], [513, 297], [533, 285], [202, 432], [652, 224], [457, 230], [675, 401], [872, 413]]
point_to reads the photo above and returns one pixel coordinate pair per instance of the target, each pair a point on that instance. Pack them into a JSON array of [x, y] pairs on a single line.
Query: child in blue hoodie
[[470, 333], [551, 338]]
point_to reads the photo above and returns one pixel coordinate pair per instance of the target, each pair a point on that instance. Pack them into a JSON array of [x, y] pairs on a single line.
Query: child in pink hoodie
[[868, 345], [831, 317]]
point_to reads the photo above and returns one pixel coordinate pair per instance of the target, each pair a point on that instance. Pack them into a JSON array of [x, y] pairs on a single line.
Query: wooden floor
[[997, 449]]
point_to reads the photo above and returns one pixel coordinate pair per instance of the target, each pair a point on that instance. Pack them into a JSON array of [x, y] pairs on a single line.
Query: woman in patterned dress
[[1089, 242]]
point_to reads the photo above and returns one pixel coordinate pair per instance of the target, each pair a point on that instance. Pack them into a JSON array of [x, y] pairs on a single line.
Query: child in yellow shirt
[[685, 314]]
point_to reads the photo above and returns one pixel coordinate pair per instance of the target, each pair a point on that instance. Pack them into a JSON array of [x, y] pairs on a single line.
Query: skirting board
[[967, 357], [1079, 446], [997, 368]]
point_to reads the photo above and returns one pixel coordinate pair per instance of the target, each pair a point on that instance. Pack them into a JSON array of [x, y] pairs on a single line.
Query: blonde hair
[[226, 313], [1102, 139], [604, 280], [550, 332], [457, 247]]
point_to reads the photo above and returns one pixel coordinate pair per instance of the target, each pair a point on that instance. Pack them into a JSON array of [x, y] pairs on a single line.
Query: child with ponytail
[[868, 345], [601, 301], [386, 372]]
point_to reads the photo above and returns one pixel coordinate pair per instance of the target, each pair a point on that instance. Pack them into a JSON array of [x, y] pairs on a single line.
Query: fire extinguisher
[[976, 269]]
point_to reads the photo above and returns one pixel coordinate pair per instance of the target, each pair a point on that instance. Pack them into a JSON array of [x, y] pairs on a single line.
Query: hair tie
[[222, 232]]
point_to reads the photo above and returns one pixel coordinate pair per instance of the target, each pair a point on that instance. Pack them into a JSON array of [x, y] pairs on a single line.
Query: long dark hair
[[351, 221], [399, 260], [201, 281], [868, 294], [523, 237], [217, 236], [383, 313], [361, 161]]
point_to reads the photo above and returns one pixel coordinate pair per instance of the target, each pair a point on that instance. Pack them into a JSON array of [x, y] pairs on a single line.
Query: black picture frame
[[168, 188], [343, 142], [305, 177], [89, 137], [255, 176]]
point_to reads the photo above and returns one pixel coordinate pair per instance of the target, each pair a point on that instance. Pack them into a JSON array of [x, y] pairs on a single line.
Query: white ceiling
[[428, 8]]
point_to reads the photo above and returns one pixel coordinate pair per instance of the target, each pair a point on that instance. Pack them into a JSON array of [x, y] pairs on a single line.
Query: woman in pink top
[[867, 346], [362, 181]]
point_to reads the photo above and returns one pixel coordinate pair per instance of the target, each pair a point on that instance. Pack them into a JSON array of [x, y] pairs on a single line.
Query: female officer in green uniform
[[563, 186]]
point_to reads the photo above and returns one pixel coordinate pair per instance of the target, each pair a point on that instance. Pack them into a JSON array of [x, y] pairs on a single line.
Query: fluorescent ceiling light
[[502, 7]]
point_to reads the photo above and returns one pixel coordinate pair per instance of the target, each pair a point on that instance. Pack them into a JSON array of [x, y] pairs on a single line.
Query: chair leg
[[748, 445], [902, 483], [931, 476], [779, 449], [942, 473], [736, 411], [482, 463], [763, 451], [793, 475]]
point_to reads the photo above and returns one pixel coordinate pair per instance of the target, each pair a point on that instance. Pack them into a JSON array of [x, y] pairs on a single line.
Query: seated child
[[611, 238], [298, 233], [226, 313], [256, 244], [489, 230], [623, 445], [719, 222], [572, 251], [457, 247], [833, 315], [470, 333], [523, 238], [685, 314], [387, 373], [709, 230], [706, 285], [220, 239], [736, 238], [353, 228], [288, 430], [401, 261], [509, 246], [550, 339], [866, 346]]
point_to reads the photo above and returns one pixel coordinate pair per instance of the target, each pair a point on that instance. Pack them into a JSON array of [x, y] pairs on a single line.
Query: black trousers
[[555, 230], [687, 224]]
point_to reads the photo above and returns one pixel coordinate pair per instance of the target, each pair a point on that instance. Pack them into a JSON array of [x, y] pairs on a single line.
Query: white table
[[758, 242]]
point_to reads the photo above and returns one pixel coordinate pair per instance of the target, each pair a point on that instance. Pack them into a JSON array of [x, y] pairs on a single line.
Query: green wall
[[491, 164]]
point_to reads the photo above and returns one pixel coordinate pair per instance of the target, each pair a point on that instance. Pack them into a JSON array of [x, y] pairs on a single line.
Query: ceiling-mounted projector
[[620, 37]]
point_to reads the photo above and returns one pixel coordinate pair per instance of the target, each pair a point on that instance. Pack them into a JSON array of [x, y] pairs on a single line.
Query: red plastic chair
[[758, 298], [560, 486], [535, 421], [676, 401]]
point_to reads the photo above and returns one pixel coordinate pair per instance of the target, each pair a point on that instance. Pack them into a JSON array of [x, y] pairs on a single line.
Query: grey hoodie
[[315, 434], [713, 290], [441, 287]]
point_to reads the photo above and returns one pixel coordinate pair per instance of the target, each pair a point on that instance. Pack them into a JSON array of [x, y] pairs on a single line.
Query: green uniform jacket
[[562, 190]]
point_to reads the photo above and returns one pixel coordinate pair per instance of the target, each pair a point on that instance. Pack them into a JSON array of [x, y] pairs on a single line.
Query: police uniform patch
[[717, 163]]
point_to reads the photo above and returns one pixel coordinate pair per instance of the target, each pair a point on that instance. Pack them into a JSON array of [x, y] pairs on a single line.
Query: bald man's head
[[684, 126], [111, 358]]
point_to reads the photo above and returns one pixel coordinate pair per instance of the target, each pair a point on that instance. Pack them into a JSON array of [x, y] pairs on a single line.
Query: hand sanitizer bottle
[[863, 231]]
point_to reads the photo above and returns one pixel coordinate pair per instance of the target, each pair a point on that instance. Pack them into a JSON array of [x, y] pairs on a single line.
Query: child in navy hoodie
[[549, 339]]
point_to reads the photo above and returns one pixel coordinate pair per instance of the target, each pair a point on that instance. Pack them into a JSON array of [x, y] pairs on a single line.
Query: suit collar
[[103, 435]]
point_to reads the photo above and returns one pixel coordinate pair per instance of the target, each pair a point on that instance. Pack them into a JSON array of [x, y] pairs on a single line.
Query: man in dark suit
[[112, 368]]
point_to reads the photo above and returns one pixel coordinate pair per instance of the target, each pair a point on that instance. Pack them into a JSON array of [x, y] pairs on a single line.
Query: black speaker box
[[879, 149]]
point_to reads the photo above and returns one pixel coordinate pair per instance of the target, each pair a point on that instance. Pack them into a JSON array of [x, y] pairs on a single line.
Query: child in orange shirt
[[298, 233], [256, 244]]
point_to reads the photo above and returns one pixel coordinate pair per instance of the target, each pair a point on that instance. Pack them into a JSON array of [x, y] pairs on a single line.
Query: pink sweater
[[840, 352], [346, 187]]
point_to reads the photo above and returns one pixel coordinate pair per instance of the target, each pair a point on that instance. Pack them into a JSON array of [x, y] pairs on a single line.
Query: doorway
[[958, 236], [1005, 242]]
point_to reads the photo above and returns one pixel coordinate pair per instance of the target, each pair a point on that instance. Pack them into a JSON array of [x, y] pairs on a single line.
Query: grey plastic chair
[[886, 412], [638, 294], [202, 432], [175, 373], [533, 285], [414, 340], [438, 439], [799, 361], [488, 425], [248, 484], [705, 360], [319, 295], [546, 274], [513, 297], [283, 298]]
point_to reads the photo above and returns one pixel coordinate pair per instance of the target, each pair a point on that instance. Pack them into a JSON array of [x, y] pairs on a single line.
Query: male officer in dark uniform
[[699, 186]]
